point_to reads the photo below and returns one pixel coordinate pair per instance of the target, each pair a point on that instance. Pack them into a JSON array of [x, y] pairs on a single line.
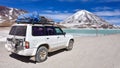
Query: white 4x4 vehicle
[[37, 40]]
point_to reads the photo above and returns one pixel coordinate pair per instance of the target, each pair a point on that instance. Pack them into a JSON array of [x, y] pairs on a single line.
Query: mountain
[[85, 19], [8, 15]]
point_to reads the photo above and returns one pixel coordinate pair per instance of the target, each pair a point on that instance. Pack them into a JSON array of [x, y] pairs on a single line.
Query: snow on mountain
[[85, 19], [8, 15]]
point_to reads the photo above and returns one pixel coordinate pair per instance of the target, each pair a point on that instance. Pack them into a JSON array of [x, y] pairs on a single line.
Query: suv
[[37, 40]]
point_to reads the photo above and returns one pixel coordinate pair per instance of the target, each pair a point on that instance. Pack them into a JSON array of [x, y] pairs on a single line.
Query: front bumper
[[24, 52]]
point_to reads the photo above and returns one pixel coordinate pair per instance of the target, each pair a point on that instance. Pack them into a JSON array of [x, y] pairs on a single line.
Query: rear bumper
[[25, 52]]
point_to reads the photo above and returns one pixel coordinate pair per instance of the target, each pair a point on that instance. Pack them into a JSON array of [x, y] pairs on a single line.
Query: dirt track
[[88, 52]]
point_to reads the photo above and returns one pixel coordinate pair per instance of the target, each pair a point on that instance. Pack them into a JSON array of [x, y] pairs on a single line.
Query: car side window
[[58, 31], [50, 31], [38, 31]]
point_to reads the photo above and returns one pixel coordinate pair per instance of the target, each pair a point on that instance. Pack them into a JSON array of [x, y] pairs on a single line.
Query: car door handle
[[47, 38], [58, 37]]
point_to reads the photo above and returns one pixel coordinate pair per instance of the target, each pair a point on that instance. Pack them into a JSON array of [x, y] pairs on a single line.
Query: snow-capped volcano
[[8, 15], [83, 19]]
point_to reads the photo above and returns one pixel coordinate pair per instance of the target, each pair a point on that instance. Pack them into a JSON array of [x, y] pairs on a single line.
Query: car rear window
[[18, 30]]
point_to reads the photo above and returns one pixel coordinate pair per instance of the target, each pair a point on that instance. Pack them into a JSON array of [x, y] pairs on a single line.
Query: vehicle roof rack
[[34, 20], [45, 23]]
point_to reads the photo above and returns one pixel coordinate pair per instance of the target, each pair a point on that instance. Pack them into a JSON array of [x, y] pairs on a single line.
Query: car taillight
[[26, 44]]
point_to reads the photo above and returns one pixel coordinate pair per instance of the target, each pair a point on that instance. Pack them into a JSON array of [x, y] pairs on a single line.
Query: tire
[[42, 54], [70, 45]]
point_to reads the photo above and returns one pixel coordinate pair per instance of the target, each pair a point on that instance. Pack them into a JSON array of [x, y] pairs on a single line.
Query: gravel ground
[[88, 52]]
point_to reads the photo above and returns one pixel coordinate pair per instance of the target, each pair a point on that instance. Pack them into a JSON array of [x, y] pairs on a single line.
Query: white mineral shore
[[88, 52]]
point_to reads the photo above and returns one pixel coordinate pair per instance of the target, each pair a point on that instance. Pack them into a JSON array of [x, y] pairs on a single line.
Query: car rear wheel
[[70, 45], [41, 54]]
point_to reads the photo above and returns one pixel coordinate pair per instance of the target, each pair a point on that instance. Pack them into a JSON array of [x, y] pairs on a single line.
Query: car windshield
[[18, 30]]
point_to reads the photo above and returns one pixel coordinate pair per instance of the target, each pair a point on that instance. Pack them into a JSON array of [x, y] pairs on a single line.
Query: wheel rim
[[70, 45], [43, 54]]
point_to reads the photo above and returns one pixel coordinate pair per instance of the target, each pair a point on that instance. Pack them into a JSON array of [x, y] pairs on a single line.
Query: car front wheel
[[70, 45]]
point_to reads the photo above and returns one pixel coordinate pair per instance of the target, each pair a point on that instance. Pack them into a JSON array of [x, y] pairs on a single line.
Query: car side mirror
[[64, 33]]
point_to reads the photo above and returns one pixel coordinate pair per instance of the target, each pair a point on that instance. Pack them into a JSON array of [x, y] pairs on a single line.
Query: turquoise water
[[91, 32]]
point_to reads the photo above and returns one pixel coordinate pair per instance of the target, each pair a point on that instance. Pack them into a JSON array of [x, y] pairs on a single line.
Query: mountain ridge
[[8, 15], [85, 19]]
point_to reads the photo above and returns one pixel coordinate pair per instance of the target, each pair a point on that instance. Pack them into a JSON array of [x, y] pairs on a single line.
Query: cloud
[[108, 13], [33, 0], [56, 15], [109, 0], [73, 0], [67, 0], [77, 10], [112, 17], [85, 0], [114, 20], [50, 11], [101, 8], [50, 7], [28, 0]]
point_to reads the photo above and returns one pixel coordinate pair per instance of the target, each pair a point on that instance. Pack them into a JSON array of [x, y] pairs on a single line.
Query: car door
[[51, 38], [60, 37], [38, 35]]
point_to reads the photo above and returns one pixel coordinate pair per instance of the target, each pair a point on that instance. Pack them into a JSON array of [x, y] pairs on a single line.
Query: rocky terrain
[[8, 15]]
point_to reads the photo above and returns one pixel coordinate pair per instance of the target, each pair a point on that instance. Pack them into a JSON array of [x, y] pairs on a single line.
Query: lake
[[91, 32]]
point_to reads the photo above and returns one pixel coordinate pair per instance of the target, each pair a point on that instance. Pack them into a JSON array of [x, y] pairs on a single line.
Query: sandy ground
[[4, 31], [88, 52]]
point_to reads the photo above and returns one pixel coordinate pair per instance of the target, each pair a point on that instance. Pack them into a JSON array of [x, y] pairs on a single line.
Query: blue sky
[[61, 9]]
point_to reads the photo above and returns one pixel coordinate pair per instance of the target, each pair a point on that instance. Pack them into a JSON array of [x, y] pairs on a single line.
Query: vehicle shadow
[[27, 59], [56, 52]]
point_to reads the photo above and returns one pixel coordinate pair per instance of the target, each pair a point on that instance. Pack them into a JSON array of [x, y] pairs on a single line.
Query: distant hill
[[85, 19], [8, 15]]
